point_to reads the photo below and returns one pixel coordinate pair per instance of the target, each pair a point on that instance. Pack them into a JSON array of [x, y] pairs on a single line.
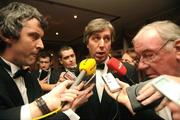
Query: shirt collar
[[105, 67], [14, 68]]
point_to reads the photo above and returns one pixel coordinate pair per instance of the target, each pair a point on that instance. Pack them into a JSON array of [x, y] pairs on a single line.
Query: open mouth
[[100, 54]]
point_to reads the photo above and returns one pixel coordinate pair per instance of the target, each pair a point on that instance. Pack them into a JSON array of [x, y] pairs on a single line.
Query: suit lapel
[[33, 88], [11, 86], [94, 101]]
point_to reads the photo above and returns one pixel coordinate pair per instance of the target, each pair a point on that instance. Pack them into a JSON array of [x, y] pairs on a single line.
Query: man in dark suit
[[159, 58], [67, 59], [21, 31], [44, 73], [98, 36]]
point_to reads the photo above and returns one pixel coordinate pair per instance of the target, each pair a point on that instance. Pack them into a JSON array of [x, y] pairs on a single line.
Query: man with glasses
[[158, 47]]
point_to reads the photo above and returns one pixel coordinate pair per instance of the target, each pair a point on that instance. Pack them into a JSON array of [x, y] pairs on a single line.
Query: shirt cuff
[[71, 114], [25, 113]]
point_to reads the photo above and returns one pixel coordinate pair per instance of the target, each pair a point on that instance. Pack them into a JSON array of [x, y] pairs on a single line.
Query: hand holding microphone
[[117, 67], [72, 96], [86, 67]]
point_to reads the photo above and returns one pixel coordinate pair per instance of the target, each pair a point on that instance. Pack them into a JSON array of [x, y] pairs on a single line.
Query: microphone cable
[[87, 66], [48, 114], [117, 107]]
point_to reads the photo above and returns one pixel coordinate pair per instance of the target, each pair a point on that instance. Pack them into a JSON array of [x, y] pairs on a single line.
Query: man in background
[[44, 73], [67, 59]]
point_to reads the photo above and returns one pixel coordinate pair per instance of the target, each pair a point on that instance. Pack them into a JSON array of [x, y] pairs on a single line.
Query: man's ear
[[177, 48], [60, 60], [5, 39], [8, 41]]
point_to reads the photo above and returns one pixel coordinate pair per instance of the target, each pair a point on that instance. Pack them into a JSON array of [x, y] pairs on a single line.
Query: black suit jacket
[[109, 109], [57, 72], [52, 80], [10, 97], [106, 110]]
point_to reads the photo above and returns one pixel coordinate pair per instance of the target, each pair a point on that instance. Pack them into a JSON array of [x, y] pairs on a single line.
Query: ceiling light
[[75, 16], [57, 33]]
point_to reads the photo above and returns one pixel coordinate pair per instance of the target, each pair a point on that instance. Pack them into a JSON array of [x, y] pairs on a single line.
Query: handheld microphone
[[86, 67], [117, 66]]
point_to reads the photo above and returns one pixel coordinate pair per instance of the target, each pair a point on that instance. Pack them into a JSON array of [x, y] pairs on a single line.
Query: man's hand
[[60, 94], [121, 96], [81, 98], [148, 94], [61, 77], [175, 109], [46, 86]]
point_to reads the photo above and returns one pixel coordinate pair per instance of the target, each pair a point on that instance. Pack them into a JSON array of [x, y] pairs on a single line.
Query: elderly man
[[158, 47]]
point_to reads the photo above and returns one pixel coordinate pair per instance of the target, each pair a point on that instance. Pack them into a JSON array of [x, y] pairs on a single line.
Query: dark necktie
[[73, 70], [21, 72], [100, 66]]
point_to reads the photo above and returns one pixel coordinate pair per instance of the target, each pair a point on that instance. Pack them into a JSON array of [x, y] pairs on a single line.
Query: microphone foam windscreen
[[116, 66], [89, 65]]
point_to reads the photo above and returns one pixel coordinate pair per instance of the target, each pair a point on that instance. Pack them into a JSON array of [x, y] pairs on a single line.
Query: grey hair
[[97, 25], [166, 29], [12, 17]]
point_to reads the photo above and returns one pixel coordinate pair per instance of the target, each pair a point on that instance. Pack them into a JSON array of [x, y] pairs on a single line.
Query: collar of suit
[[12, 68]]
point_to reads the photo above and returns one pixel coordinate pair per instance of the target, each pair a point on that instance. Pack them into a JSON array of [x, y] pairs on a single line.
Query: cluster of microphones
[[88, 67]]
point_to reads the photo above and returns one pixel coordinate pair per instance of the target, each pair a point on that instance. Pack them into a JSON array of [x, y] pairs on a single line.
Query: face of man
[[155, 60], [44, 63], [127, 58], [99, 45], [25, 50], [68, 59]]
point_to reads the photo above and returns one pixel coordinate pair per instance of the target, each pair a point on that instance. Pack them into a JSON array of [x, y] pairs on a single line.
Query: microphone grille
[[116, 66], [89, 65]]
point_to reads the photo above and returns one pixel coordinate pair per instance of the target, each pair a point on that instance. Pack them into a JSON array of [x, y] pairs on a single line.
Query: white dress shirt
[[25, 113], [99, 80]]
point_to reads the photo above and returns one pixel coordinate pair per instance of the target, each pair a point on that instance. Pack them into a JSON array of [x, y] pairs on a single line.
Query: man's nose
[[40, 44], [101, 42], [142, 65]]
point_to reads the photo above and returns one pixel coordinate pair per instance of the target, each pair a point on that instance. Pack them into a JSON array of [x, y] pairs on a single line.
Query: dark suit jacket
[[109, 109], [10, 97], [52, 79], [57, 72], [106, 110], [136, 105]]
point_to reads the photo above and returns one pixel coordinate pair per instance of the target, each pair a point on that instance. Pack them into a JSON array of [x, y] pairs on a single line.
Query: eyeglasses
[[150, 56]]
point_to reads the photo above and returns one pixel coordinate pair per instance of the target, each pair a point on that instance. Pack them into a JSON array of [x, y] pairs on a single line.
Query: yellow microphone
[[86, 67]]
